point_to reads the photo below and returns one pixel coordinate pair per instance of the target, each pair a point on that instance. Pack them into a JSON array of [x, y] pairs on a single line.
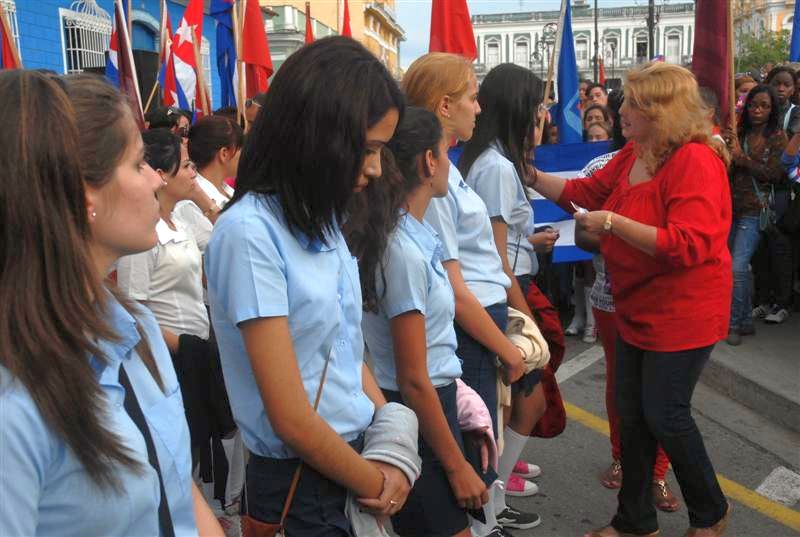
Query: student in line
[[93, 440], [408, 321], [446, 85], [285, 295], [215, 144]]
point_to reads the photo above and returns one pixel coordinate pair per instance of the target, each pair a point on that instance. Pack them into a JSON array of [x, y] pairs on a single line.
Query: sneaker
[[777, 316], [575, 327], [517, 486], [518, 520], [590, 336], [526, 470], [734, 337], [761, 311]]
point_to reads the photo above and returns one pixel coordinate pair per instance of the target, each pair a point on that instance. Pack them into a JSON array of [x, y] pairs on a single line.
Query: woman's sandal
[[663, 498], [610, 531], [718, 528], [612, 478]]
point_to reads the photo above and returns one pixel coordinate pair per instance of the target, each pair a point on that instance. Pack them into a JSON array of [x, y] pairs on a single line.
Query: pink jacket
[[474, 416]]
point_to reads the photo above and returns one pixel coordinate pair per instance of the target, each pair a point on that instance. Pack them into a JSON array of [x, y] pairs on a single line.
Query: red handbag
[[554, 420]]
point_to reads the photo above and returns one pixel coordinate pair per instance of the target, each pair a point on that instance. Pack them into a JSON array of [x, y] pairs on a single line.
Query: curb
[[775, 407]]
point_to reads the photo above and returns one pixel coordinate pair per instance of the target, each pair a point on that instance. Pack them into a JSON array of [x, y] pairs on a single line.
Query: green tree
[[754, 52]]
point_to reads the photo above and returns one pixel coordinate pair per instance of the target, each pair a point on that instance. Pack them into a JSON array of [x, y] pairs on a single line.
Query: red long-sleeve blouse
[[680, 298]]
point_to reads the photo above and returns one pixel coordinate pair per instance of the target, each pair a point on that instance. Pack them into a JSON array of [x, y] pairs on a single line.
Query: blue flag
[[226, 50], [568, 116], [794, 53]]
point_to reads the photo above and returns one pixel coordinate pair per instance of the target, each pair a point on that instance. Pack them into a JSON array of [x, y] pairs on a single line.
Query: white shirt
[[168, 280], [192, 217]]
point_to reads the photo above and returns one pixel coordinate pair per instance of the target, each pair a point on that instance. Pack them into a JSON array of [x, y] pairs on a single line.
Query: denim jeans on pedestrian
[[743, 242], [772, 262], [653, 394]]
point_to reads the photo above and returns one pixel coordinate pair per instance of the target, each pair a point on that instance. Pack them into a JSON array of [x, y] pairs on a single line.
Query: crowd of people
[[313, 321]]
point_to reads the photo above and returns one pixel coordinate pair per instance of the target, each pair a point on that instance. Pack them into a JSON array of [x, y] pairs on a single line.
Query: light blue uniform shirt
[[415, 280], [46, 490], [463, 225], [495, 180], [256, 267]]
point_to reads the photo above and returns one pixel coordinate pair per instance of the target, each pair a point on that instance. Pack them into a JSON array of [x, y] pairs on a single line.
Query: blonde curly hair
[[668, 96]]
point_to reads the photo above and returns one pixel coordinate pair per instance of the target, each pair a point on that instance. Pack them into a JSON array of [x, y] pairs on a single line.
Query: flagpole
[[129, 52], [201, 82], [551, 72], [12, 43], [150, 98], [731, 74], [129, 22], [237, 39]]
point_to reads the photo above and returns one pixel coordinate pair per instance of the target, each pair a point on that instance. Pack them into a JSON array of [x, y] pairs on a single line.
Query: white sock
[[512, 449]]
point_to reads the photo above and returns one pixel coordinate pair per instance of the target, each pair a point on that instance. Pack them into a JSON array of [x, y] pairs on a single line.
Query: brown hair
[[669, 97], [435, 75], [209, 135], [49, 290]]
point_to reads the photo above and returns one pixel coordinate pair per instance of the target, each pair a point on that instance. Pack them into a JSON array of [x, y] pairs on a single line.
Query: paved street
[[748, 451]]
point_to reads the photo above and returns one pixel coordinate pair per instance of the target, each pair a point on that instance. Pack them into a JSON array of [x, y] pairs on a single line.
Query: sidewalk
[[763, 373]]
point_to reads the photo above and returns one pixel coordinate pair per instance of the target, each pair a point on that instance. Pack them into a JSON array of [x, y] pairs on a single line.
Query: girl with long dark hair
[[408, 321], [284, 290], [494, 163], [756, 153], [93, 441]]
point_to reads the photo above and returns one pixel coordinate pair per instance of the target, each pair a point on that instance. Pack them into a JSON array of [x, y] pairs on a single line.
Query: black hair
[[229, 112], [374, 213], [162, 150], [775, 71], [210, 134], [709, 97], [773, 121], [308, 145], [163, 117], [509, 97], [590, 87], [615, 100]]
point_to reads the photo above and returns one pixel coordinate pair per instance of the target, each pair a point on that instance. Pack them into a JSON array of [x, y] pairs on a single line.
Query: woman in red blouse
[[663, 206]]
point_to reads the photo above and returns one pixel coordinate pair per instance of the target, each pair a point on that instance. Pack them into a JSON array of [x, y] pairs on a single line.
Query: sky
[[414, 16]]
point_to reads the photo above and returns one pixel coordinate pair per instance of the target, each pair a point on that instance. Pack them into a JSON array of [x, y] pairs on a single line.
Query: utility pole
[[596, 51], [651, 29]]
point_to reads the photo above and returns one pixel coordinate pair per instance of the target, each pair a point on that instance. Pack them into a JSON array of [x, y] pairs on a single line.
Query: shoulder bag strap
[[787, 117], [135, 412], [516, 254], [296, 478]]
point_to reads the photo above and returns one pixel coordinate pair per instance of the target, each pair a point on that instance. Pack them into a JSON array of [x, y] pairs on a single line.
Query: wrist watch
[[607, 224]]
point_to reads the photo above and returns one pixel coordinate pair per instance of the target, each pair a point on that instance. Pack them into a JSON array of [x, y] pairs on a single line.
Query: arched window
[[86, 31], [522, 51], [673, 47], [492, 52]]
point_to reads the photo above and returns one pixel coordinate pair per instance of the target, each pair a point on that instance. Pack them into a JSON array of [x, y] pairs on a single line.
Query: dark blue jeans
[[743, 242], [653, 393]]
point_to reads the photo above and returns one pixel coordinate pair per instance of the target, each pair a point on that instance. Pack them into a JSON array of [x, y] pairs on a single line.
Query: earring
[[94, 214]]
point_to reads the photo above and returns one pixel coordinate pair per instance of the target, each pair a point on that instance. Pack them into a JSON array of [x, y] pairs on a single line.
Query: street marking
[[733, 490], [781, 485], [579, 363]]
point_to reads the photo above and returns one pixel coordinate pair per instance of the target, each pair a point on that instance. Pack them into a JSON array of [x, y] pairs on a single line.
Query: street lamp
[[613, 46], [544, 46]]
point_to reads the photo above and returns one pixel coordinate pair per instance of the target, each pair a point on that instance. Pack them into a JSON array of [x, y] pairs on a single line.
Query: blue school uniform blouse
[[415, 280], [46, 490], [256, 267], [463, 225], [495, 180]]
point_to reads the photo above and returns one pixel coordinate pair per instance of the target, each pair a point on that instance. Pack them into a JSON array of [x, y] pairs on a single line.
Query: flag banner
[[710, 59], [255, 51], [120, 68], [309, 25], [451, 29], [222, 12], [565, 160], [346, 32], [568, 115], [189, 31]]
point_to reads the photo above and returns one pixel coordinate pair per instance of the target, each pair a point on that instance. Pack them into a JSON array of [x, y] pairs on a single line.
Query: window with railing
[[582, 50], [673, 49], [522, 52], [492, 53], [86, 31], [10, 9]]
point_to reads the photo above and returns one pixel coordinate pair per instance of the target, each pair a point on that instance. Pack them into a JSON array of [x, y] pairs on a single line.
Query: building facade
[[372, 23], [527, 38], [755, 17]]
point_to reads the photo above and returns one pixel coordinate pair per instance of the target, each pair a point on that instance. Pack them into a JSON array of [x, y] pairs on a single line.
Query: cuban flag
[[567, 113], [189, 32], [222, 11], [565, 160], [172, 92], [120, 68]]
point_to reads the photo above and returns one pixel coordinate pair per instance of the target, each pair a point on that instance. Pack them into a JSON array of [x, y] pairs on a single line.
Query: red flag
[[601, 77], [189, 32], [255, 50], [9, 58], [309, 26], [128, 82], [451, 28], [710, 59], [346, 21]]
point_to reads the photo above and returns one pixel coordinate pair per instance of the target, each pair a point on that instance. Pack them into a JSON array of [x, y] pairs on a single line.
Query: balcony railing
[[583, 13]]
